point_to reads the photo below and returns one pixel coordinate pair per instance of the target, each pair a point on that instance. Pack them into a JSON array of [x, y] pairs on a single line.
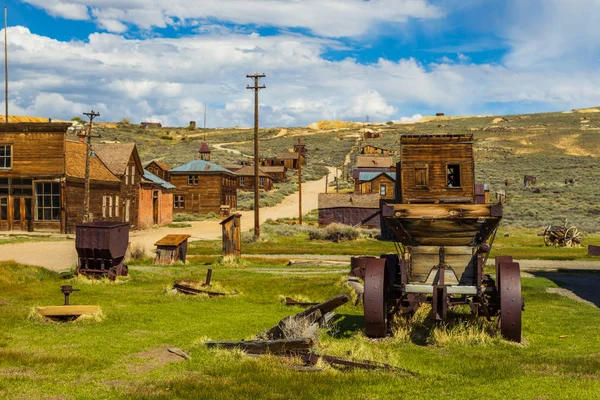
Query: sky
[[158, 60]]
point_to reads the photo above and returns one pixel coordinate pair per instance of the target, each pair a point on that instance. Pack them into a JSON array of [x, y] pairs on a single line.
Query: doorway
[[155, 207]]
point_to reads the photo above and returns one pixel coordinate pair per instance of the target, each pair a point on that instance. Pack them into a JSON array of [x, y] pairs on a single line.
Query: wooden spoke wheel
[[547, 239], [511, 302], [375, 299], [572, 237]]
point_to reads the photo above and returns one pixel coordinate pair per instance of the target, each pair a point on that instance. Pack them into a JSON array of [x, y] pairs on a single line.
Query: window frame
[[459, 186], [179, 201], [5, 157], [242, 181], [261, 181], [193, 180], [421, 166], [53, 210], [383, 189]]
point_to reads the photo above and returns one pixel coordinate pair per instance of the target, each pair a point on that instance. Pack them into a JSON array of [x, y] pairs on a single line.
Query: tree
[[78, 119]]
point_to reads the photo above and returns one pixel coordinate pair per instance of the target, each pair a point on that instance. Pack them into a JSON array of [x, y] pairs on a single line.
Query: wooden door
[[155, 207], [127, 208], [3, 213]]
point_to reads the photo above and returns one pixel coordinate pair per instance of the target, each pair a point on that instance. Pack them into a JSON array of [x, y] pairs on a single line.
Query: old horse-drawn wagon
[[443, 240]]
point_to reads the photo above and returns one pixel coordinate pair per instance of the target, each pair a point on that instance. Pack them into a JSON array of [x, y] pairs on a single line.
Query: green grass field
[[107, 358]]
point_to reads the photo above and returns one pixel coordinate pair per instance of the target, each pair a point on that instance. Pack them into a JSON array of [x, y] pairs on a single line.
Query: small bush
[[137, 252], [335, 233], [179, 225], [166, 137]]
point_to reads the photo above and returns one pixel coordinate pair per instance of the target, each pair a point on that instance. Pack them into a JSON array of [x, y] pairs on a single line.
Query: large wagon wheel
[[375, 301], [511, 302], [547, 239], [572, 236]]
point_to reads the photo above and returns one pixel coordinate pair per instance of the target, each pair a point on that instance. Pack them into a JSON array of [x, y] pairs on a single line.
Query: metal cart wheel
[[375, 302], [511, 302]]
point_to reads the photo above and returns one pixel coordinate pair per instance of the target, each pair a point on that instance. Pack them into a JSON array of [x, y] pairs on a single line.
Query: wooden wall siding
[[374, 186], [368, 149], [348, 216], [35, 154], [130, 190], [232, 236], [74, 201], [156, 170], [249, 183], [436, 157], [212, 191]]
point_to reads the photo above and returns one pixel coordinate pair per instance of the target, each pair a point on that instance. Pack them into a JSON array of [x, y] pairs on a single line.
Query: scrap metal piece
[[511, 302], [190, 287], [67, 290], [179, 352], [280, 346], [312, 359]]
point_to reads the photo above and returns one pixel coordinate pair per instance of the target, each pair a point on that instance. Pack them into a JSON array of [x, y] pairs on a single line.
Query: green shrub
[[334, 232]]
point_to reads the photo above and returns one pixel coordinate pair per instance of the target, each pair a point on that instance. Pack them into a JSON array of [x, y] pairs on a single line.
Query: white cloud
[[332, 18]]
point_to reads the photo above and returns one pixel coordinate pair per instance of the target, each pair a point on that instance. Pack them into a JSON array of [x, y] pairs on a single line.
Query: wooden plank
[[441, 211], [281, 346], [172, 240], [66, 311]]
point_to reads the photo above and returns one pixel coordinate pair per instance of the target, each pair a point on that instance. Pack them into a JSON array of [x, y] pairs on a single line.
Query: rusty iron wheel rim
[[375, 302], [511, 301]]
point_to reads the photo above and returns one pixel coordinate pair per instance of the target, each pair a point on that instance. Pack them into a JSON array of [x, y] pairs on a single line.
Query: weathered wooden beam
[[282, 346]]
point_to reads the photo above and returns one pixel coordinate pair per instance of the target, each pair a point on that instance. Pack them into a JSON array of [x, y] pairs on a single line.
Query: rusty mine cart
[[443, 240], [101, 248]]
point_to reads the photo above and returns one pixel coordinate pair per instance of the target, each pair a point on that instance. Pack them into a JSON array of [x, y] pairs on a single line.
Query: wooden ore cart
[[101, 248], [443, 240]]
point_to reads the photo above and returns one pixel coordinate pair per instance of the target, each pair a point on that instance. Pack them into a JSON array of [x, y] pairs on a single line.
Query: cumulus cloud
[[332, 18]]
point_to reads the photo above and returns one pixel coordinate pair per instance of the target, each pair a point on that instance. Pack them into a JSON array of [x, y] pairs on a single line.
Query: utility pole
[[300, 161], [256, 88], [326, 181], [337, 181], [88, 139], [5, 65], [205, 122]]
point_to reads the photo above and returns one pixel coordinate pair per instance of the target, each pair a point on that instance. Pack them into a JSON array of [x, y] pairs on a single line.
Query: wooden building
[[151, 125], [382, 183], [278, 172], [437, 169], [203, 187], [155, 201], [105, 189], [204, 151], [232, 236], [290, 160], [370, 134], [32, 168], [246, 178], [170, 249], [159, 169], [124, 162], [349, 209], [373, 150]]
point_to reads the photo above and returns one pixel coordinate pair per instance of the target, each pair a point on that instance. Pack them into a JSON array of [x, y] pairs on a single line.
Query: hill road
[[61, 255]]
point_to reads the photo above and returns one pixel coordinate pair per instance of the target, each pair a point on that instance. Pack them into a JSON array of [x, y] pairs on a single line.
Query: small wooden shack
[[373, 150], [246, 178], [437, 169], [376, 182], [291, 160], [171, 248], [232, 236], [349, 209]]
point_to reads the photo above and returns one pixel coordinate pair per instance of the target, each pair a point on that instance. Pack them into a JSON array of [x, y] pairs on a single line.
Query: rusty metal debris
[[291, 302], [312, 359], [278, 347], [190, 287], [593, 250]]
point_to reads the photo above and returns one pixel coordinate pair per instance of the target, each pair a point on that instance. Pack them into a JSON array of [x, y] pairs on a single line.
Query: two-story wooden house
[[246, 178], [203, 187], [436, 169], [124, 162]]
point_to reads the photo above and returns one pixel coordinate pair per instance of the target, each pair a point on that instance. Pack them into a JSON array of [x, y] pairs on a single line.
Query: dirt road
[[59, 256]]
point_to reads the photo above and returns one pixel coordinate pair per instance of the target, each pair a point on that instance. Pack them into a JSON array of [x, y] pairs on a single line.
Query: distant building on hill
[[151, 125]]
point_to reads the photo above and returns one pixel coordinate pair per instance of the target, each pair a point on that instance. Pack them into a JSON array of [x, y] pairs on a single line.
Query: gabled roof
[[348, 200], [75, 164], [153, 178], [116, 156], [248, 170], [159, 164], [369, 176], [201, 166], [369, 161], [204, 148], [356, 171], [234, 167], [275, 169]]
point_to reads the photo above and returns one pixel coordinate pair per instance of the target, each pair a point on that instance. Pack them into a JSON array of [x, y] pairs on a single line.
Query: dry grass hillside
[[551, 146]]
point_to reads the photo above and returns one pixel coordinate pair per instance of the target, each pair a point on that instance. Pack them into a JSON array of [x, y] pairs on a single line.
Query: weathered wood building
[[382, 183], [290, 160], [246, 178], [159, 169], [203, 187], [437, 169], [375, 162], [349, 209], [278, 172], [124, 162]]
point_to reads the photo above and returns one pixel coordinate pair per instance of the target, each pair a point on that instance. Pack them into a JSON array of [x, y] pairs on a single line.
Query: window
[[382, 190], [47, 201], [126, 176], [242, 180], [453, 174], [5, 156], [4, 208], [110, 206], [133, 174], [104, 201], [192, 179], [261, 181], [179, 201], [421, 175], [117, 206]]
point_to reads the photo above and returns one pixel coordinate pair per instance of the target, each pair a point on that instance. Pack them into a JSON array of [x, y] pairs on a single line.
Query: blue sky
[[336, 59]]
